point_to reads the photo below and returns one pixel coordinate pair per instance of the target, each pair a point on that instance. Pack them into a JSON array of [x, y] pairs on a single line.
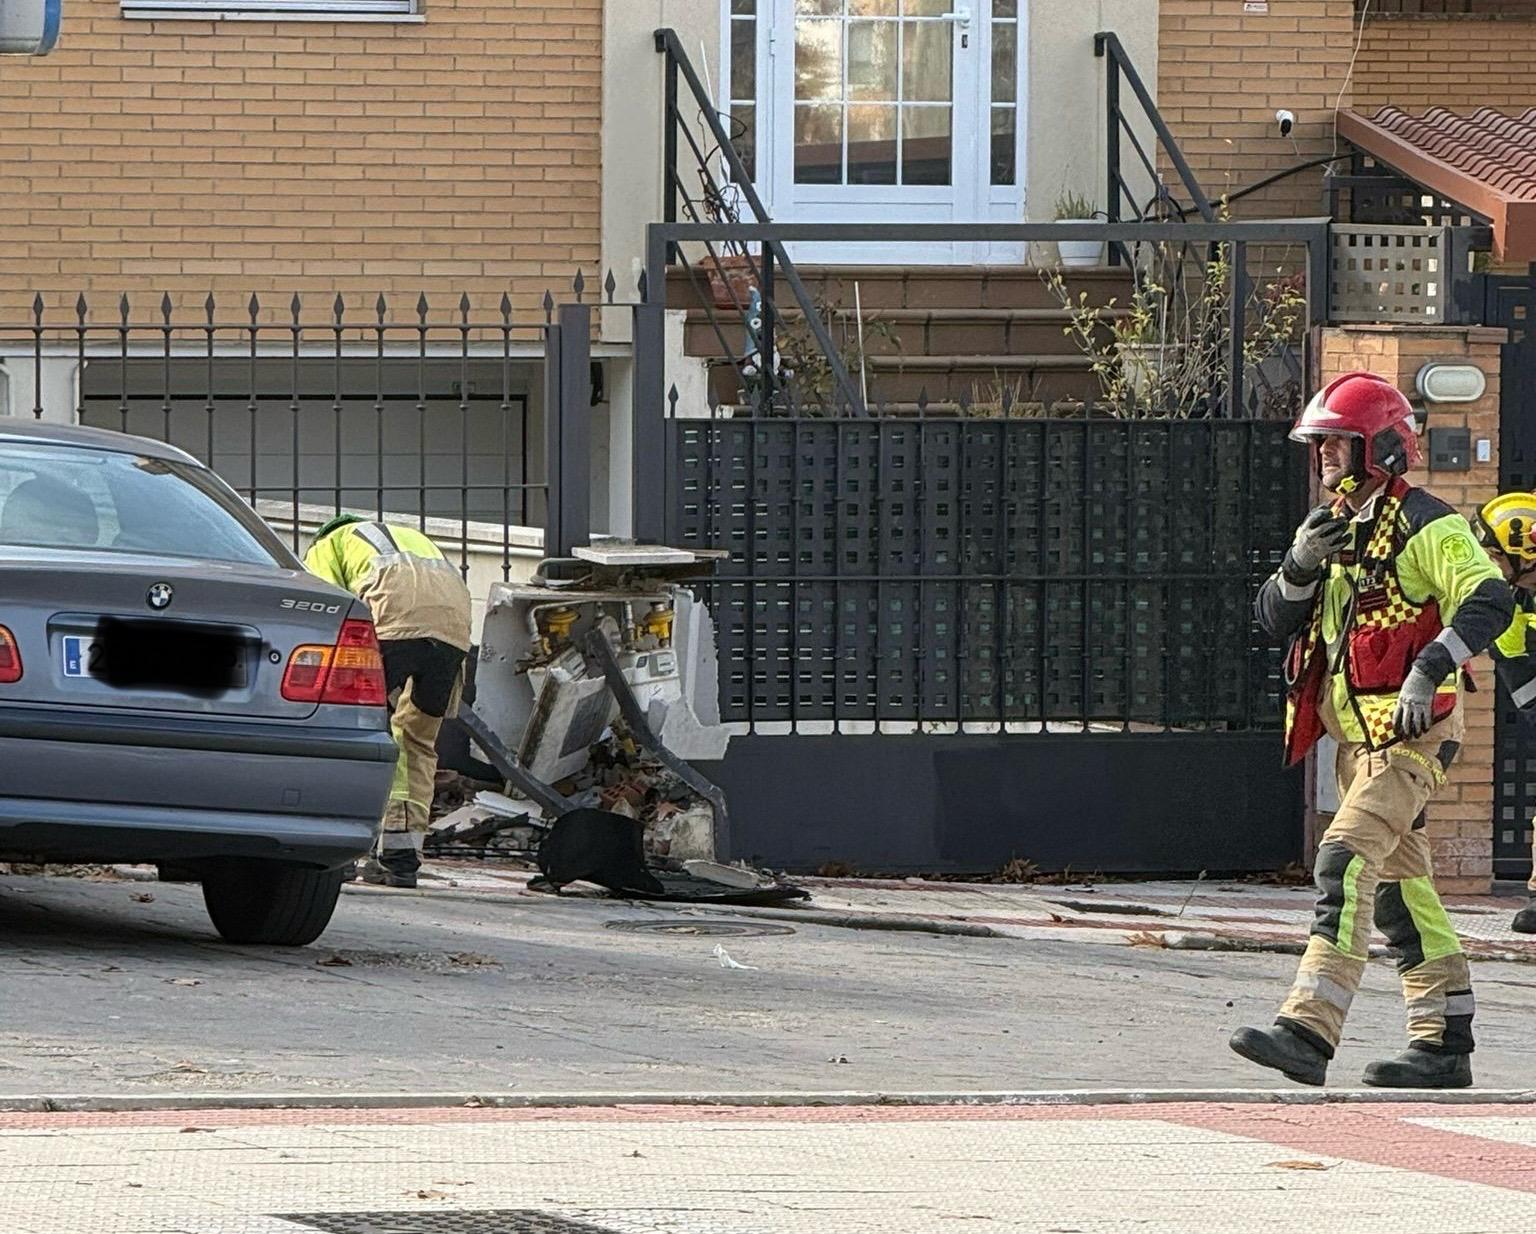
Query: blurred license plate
[[187, 657]]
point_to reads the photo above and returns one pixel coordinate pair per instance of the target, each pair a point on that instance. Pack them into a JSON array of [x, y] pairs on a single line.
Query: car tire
[[271, 903]]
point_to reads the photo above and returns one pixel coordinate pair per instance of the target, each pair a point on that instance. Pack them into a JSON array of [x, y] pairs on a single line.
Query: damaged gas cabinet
[[612, 632]]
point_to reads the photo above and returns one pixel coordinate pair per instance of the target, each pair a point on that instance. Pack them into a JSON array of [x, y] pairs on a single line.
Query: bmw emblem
[[160, 596]]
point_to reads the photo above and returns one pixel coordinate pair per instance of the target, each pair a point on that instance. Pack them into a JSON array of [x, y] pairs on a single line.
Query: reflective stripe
[[1326, 988], [376, 538], [1435, 929], [1524, 694], [392, 841], [1455, 644], [1290, 591], [1351, 905], [1461, 1004]]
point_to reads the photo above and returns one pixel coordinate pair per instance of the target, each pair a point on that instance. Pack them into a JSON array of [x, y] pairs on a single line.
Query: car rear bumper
[[83, 787]]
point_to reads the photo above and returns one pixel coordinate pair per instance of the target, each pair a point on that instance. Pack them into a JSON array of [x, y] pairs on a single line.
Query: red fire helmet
[[1371, 410]]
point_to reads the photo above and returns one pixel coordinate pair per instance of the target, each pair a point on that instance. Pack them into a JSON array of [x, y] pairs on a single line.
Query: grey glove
[[1414, 703], [1321, 534]]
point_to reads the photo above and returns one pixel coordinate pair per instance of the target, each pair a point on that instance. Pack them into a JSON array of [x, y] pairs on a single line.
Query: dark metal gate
[[952, 641], [1510, 302]]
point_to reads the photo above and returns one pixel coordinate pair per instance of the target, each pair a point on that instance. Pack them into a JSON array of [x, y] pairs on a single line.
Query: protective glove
[[1414, 705], [1321, 534]]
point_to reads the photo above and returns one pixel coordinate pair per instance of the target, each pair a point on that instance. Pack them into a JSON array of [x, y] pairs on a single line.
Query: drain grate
[[684, 927], [488, 1221]]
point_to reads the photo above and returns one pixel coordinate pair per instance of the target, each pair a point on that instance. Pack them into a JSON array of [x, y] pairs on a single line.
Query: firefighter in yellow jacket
[[1507, 528], [421, 610], [1384, 596]]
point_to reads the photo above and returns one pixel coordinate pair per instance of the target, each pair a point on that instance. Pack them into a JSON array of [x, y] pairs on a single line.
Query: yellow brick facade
[[1223, 73], [459, 154], [1463, 65]]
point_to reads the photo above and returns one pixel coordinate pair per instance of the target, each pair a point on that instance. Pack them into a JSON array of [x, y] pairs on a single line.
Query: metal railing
[[1118, 69], [400, 409]]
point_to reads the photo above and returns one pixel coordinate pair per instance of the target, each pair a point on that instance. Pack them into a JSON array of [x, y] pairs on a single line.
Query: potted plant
[[1073, 207], [732, 276]]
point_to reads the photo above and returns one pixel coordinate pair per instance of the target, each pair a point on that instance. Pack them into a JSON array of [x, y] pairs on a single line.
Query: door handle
[[961, 18]]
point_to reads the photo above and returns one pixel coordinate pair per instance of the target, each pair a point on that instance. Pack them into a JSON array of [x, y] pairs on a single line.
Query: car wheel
[[270, 902]]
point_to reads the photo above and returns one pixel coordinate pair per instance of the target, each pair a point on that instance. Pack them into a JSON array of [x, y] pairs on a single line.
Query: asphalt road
[[104, 992]]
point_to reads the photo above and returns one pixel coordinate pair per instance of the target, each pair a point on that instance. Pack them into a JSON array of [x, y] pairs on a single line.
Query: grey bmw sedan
[[175, 689]]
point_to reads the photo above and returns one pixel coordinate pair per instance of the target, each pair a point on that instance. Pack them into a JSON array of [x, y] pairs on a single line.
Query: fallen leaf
[[1057, 917], [182, 981], [190, 1068], [135, 1184], [1298, 1165], [636, 1153], [474, 1103], [196, 1130], [335, 961], [143, 897], [112, 968], [428, 1195], [1146, 938]]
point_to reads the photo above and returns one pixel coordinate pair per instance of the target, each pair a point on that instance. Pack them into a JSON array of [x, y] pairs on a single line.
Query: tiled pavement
[[1159, 1169]]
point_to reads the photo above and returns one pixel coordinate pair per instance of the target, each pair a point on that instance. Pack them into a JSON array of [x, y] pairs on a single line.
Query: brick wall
[[1222, 74], [1461, 815], [1455, 63], [458, 154]]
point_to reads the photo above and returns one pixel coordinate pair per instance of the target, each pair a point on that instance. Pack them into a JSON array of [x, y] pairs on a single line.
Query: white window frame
[[274, 10]]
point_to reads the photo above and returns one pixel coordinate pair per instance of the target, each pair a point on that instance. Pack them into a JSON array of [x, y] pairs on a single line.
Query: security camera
[[1286, 120]]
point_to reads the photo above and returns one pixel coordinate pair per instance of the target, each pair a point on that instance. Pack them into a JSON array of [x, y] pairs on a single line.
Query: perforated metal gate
[[1059, 604], [1511, 303]]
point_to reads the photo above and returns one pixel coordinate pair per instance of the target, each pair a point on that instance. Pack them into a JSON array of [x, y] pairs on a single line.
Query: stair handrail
[[1107, 45], [678, 65]]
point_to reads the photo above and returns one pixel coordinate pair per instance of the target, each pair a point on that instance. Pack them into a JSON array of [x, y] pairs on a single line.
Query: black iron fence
[[474, 426]]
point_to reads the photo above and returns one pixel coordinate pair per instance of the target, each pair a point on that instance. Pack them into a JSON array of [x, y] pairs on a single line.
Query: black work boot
[[1298, 1057], [1525, 919], [1421, 1069], [393, 868]]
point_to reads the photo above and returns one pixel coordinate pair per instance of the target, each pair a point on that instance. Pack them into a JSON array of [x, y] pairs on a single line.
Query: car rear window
[[67, 497]]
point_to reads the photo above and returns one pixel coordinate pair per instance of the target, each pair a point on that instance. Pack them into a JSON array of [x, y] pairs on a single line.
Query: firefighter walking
[[1507, 528], [421, 609], [1384, 595]]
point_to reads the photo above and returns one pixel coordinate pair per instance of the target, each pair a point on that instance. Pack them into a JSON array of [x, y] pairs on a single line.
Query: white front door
[[885, 111]]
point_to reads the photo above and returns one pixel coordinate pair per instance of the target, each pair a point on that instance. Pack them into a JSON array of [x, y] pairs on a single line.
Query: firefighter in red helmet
[[1383, 597]]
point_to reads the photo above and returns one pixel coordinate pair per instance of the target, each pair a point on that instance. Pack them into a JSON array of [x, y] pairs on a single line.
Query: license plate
[[79, 655]]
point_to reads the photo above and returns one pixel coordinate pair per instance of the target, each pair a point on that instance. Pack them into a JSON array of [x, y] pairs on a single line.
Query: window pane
[[1005, 127], [1005, 8], [818, 8], [925, 145], [818, 143], [109, 502], [928, 58], [746, 8], [926, 8], [872, 60], [744, 59], [871, 144], [744, 135], [1005, 63], [873, 8], [818, 59]]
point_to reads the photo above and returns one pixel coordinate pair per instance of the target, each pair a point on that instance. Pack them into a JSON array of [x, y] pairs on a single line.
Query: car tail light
[[349, 674], [10, 658]]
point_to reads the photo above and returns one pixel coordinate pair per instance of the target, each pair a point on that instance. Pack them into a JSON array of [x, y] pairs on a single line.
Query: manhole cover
[[497, 1221], [686, 928]]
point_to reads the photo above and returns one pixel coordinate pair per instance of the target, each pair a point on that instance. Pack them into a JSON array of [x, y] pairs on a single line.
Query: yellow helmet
[[1508, 523]]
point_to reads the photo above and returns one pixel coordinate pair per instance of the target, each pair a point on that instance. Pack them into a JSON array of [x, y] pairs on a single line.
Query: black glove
[[1321, 534]]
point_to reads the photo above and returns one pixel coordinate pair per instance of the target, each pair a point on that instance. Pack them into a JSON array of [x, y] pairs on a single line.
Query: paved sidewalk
[[1204, 915], [1172, 1169]]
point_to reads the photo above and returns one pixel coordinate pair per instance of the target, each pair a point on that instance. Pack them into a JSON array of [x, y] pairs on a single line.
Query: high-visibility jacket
[[1412, 576], [411, 588], [1514, 651]]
